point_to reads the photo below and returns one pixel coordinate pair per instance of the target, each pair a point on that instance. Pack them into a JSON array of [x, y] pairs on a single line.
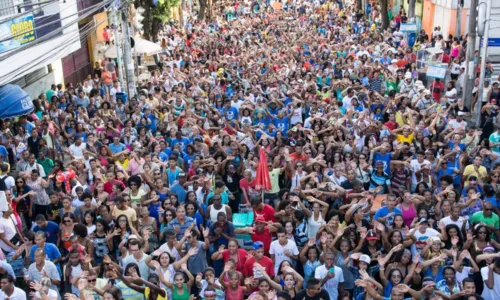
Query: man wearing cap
[[422, 233], [407, 85], [261, 232], [259, 258], [331, 276], [179, 189]]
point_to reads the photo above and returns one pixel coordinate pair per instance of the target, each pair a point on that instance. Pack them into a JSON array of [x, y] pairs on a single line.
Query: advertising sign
[[17, 32]]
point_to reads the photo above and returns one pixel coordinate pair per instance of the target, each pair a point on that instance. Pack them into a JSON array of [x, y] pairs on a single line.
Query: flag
[[262, 179]]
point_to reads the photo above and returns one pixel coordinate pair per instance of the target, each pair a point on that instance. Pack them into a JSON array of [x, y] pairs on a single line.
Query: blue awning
[[14, 102]]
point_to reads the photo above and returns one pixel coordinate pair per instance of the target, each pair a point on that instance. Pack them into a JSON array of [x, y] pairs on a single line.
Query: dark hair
[[9, 278], [104, 223], [312, 281], [284, 295], [115, 292], [40, 217], [80, 230], [130, 266]]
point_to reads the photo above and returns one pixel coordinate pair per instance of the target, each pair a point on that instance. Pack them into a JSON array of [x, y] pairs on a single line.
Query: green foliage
[[162, 10]]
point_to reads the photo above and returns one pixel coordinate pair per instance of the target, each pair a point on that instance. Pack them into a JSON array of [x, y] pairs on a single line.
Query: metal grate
[[7, 8]]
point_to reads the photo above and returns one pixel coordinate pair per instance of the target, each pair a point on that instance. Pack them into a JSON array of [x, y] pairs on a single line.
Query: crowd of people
[[380, 185]]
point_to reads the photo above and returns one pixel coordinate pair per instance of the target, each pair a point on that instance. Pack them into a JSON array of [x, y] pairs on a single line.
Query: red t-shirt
[[437, 90], [302, 157], [108, 186], [267, 213], [265, 262], [242, 257], [391, 125], [264, 237], [244, 185]]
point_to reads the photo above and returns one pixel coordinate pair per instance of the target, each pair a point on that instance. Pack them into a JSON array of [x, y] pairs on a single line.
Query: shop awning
[[14, 102]]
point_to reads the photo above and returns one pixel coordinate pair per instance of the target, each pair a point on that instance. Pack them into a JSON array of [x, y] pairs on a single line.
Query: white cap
[[427, 92], [408, 75]]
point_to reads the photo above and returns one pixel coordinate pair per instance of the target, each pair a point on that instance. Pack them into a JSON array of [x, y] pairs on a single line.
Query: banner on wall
[[17, 32]]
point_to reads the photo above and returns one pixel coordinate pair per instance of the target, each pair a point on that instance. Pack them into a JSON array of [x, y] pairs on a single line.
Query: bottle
[[256, 273]]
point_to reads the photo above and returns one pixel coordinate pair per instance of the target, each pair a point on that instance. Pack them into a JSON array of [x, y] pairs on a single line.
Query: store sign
[[436, 72], [408, 27], [17, 32]]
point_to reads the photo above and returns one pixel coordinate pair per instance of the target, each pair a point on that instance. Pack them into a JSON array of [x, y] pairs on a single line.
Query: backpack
[[3, 186]]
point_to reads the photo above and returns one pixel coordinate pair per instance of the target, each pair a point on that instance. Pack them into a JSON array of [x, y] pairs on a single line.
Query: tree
[[155, 16], [203, 8], [383, 12]]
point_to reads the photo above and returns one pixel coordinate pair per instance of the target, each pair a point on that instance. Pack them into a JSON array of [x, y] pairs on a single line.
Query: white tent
[[145, 47], [142, 47]]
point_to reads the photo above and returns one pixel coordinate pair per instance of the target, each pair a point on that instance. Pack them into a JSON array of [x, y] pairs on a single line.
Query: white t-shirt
[[10, 182], [422, 239], [17, 295], [8, 227], [332, 285], [51, 294], [415, 166], [77, 151], [495, 292], [279, 252], [447, 221], [460, 276]]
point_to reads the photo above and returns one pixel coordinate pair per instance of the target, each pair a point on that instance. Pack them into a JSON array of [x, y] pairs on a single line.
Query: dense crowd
[[380, 186]]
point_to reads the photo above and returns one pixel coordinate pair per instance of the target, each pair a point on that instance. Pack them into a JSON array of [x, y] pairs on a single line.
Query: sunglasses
[[91, 280], [67, 221], [482, 232], [133, 184], [20, 182], [487, 209]]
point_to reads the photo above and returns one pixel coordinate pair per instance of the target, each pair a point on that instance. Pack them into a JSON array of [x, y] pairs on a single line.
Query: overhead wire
[[25, 5], [46, 57], [47, 24], [6, 55], [27, 12]]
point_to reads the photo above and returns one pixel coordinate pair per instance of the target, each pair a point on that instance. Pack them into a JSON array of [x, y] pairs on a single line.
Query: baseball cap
[[182, 174], [258, 245], [436, 239], [371, 236], [489, 249], [260, 219], [132, 236], [423, 220], [365, 258]]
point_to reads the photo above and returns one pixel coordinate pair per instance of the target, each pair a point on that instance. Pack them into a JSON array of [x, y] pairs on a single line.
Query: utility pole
[[469, 61], [458, 29], [484, 16], [127, 58]]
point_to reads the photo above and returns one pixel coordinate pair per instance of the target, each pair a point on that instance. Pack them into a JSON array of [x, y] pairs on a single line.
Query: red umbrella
[[262, 179]]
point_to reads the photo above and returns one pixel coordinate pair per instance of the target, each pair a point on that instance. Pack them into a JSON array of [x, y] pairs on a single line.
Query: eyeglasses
[[20, 182], [67, 221], [482, 232], [133, 184], [487, 209], [92, 280], [396, 276], [122, 221]]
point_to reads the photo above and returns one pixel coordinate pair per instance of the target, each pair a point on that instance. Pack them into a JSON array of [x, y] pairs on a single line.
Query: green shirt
[[47, 165], [492, 220], [495, 138], [275, 177]]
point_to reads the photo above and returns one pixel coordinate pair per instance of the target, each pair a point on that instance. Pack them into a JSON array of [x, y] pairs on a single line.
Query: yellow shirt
[[401, 138], [471, 171]]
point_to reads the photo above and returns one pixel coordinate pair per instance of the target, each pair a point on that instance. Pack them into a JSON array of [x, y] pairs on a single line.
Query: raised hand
[[355, 256], [199, 276], [454, 240]]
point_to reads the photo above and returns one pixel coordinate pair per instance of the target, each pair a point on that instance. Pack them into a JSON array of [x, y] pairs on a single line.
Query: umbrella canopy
[[262, 179], [111, 52], [14, 102], [145, 47]]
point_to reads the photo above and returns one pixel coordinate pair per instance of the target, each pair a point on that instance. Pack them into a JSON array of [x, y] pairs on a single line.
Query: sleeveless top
[[214, 212], [48, 139], [314, 225], [184, 296], [235, 295], [408, 215], [100, 246], [494, 95]]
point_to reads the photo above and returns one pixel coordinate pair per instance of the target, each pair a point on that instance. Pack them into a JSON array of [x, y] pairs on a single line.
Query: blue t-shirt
[[386, 159], [51, 231], [282, 124], [230, 113], [384, 211], [116, 148], [183, 142], [179, 191]]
